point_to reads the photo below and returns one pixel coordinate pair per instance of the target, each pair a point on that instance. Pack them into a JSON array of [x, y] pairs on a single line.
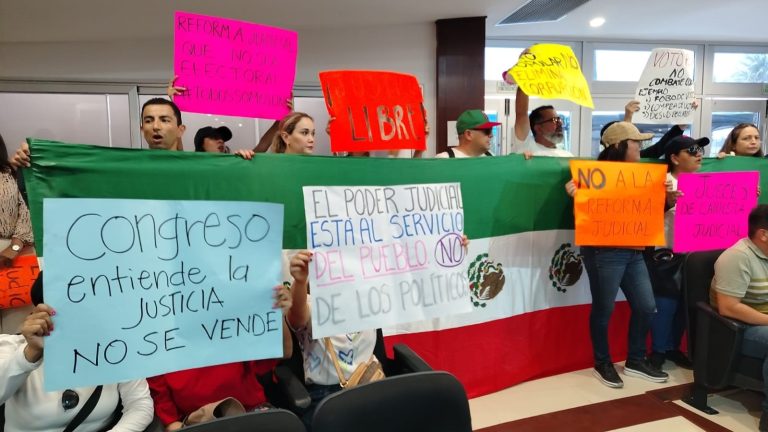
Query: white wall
[[405, 48]]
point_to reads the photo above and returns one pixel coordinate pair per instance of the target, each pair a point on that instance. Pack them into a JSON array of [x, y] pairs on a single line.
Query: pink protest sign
[[713, 211], [233, 67]]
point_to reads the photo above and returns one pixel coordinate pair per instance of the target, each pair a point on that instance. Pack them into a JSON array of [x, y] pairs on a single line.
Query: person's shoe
[[643, 369], [680, 359], [606, 373], [657, 359]]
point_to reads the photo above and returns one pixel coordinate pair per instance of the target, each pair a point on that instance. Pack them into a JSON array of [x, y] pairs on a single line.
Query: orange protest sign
[[374, 110], [16, 281], [619, 203]]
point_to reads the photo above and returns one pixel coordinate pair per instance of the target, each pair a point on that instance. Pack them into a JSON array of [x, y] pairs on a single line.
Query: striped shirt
[[742, 272]]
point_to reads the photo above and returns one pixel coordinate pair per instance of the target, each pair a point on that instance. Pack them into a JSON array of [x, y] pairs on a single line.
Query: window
[[499, 59], [619, 65], [740, 68]]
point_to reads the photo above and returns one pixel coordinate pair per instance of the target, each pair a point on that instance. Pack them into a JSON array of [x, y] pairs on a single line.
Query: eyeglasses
[[695, 150], [555, 120], [69, 399]]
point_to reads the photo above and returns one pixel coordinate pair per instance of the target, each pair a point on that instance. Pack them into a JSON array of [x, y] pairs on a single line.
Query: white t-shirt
[[456, 153], [669, 215], [537, 149], [352, 349], [30, 408]]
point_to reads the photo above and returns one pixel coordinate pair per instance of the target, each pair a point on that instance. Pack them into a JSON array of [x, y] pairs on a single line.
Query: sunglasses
[[69, 399], [488, 132], [555, 120], [695, 150]]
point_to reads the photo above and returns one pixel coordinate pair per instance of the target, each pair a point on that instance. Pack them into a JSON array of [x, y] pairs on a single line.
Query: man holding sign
[[740, 291], [619, 209]]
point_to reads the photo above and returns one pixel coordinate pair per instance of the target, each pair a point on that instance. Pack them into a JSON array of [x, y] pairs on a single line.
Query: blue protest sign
[[145, 287]]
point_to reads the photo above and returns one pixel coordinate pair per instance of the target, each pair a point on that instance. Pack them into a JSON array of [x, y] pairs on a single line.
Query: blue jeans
[[756, 345], [608, 270], [668, 325], [317, 392]]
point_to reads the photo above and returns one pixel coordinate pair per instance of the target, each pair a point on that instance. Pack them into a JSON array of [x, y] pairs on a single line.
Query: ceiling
[[103, 20]]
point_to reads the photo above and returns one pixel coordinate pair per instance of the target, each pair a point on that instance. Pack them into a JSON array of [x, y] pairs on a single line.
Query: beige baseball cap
[[621, 131]]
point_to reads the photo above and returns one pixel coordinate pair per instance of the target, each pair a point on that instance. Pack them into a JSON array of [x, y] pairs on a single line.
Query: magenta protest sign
[[713, 211], [233, 67]]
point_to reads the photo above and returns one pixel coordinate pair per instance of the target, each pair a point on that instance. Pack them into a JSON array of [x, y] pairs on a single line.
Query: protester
[[296, 134], [179, 394], [611, 268], [739, 291], [29, 408], [212, 140], [475, 131], [683, 155], [744, 140]]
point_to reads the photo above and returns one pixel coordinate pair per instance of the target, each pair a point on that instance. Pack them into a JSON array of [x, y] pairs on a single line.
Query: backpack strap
[[488, 153], [85, 411], [450, 152]]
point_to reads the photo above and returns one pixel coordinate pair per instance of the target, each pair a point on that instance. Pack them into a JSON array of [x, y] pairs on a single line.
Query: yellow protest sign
[[619, 203], [552, 71]]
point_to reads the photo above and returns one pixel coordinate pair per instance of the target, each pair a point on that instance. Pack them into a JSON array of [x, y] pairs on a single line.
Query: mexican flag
[[526, 283]]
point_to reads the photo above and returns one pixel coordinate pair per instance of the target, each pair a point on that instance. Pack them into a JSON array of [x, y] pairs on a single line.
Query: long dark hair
[[617, 152], [4, 165]]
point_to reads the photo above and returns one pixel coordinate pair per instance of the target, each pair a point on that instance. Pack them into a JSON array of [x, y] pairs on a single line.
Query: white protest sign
[[665, 90], [385, 255]]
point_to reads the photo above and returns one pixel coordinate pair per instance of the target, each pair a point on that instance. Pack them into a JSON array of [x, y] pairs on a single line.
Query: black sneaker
[[680, 359], [643, 369], [657, 359], [607, 375]]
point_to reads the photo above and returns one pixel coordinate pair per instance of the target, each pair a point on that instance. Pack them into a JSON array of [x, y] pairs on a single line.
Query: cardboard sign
[[665, 90], [385, 255], [374, 110], [145, 287], [619, 203], [233, 67], [714, 209], [16, 281], [552, 71]]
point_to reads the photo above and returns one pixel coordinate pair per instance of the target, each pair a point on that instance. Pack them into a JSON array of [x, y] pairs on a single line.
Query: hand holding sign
[[665, 90], [233, 67], [552, 71], [618, 203], [374, 110]]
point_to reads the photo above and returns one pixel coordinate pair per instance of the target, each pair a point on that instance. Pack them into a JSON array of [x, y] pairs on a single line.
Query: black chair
[[275, 420], [714, 341], [288, 390], [417, 402]]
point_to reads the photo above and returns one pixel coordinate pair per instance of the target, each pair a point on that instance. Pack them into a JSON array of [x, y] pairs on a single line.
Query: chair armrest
[[408, 361], [730, 323], [718, 342], [292, 389]]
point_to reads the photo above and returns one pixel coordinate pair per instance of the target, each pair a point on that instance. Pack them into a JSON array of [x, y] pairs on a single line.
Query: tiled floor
[[739, 410]]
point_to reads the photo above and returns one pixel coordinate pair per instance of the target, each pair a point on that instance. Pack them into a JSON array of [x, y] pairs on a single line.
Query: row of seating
[[714, 341], [415, 402]]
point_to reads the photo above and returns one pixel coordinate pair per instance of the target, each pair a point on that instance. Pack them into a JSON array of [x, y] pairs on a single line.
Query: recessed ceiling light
[[597, 22]]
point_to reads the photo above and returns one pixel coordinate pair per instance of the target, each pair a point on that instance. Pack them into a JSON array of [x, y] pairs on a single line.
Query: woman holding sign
[[683, 155], [611, 268], [30, 408]]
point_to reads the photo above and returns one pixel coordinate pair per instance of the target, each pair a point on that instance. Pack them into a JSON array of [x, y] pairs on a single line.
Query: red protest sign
[[374, 110], [16, 281]]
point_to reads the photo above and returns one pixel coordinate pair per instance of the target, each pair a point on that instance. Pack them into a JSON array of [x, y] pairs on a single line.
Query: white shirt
[[29, 408], [456, 153], [537, 149], [669, 215]]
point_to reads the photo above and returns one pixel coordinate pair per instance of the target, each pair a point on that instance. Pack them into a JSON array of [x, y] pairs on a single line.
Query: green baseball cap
[[473, 119]]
